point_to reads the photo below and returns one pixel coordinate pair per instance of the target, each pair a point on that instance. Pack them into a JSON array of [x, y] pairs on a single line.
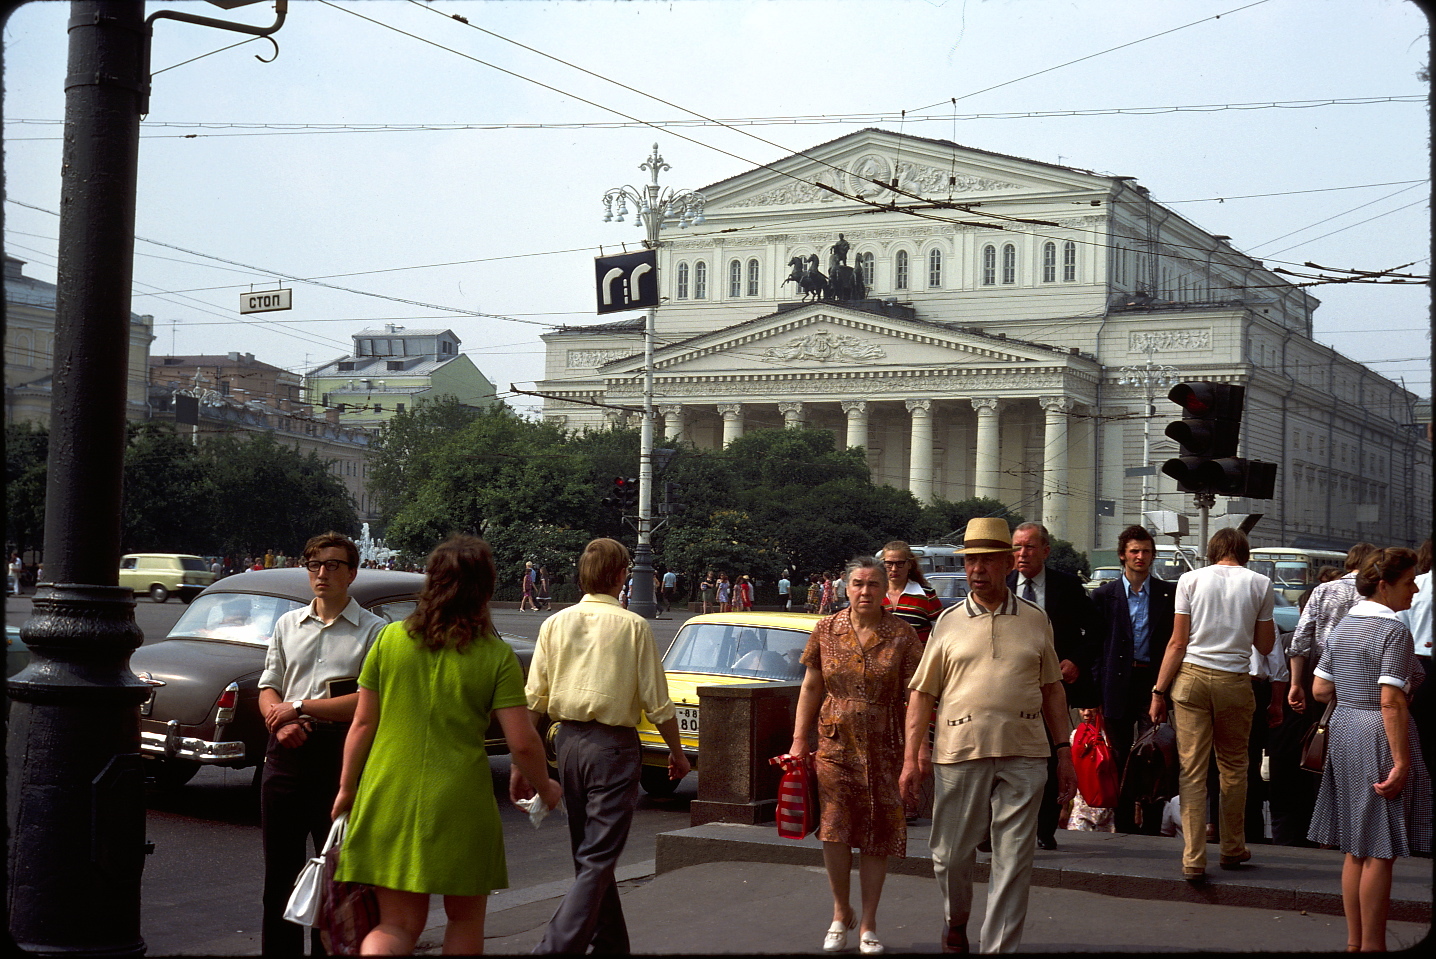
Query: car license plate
[[687, 720]]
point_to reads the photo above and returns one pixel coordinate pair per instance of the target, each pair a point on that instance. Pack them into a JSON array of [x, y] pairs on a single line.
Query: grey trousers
[[975, 797], [598, 767]]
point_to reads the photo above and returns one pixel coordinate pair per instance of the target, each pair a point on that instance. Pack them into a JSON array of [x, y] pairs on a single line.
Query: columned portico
[[857, 413], [1055, 491], [673, 424], [792, 415], [919, 481], [732, 414], [986, 472]]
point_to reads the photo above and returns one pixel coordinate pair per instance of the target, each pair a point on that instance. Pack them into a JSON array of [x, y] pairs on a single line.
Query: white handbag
[[309, 888]]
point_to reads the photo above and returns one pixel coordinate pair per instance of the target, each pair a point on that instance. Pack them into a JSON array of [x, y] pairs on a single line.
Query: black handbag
[[1313, 743], [1152, 767]]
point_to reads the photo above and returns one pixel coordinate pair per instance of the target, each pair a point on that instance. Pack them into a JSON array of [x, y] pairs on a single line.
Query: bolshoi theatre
[[1006, 324]]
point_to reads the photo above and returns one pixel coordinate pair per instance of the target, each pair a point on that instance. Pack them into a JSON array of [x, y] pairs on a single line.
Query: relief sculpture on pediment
[[824, 346]]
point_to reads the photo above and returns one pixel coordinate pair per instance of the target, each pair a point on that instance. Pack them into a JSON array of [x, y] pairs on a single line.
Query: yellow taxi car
[[720, 649]]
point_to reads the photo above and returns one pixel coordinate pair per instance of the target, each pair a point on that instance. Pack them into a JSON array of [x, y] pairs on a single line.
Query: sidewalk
[[731, 889]]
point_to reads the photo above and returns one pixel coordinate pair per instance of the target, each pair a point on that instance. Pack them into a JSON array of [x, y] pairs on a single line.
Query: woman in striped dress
[[1375, 799]]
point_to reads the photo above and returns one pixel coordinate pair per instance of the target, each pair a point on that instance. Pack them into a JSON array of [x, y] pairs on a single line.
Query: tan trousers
[[1212, 707]]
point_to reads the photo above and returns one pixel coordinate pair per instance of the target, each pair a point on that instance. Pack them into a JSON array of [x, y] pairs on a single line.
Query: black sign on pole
[[626, 282]]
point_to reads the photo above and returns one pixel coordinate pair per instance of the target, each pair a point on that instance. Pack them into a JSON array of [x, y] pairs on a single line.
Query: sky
[[436, 169]]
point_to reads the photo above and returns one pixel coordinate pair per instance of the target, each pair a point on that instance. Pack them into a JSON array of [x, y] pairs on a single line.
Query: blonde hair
[[603, 565]]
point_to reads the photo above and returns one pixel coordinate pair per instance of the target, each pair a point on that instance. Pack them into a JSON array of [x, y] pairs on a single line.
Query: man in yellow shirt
[[595, 671]]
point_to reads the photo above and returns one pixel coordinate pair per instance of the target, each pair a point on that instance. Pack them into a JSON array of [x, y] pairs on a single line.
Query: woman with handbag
[[416, 779], [1375, 799], [854, 694]]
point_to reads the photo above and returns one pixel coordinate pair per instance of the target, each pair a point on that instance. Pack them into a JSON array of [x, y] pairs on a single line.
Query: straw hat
[[987, 534]]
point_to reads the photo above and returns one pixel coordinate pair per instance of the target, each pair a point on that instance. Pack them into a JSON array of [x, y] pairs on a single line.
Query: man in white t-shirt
[[1223, 610]]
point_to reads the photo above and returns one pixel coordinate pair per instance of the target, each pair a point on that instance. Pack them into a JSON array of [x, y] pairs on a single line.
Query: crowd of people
[[905, 710]]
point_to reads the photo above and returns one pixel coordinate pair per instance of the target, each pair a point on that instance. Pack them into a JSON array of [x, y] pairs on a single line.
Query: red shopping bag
[[797, 796], [1097, 777]]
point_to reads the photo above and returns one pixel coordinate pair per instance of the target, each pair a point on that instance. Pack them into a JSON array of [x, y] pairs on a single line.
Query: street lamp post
[[1149, 376], [655, 207]]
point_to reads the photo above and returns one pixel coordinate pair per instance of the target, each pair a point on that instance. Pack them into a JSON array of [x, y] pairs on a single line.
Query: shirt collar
[[599, 598], [912, 588], [1038, 581], [350, 612], [1370, 608], [975, 609]]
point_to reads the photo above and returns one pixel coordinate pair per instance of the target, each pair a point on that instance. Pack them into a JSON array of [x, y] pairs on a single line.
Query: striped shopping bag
[[797, 796]]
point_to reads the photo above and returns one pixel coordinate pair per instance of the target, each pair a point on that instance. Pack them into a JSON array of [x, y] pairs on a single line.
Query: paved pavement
[[708, 890]]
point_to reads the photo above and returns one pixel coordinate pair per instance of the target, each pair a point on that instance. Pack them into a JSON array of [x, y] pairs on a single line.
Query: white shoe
[[837, 938], [868, 945]]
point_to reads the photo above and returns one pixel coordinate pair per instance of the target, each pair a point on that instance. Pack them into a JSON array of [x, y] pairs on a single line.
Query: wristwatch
[[298, 705], [1158, 692]]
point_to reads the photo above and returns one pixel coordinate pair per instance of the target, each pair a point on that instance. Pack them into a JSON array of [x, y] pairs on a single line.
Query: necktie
[[1028, 593]]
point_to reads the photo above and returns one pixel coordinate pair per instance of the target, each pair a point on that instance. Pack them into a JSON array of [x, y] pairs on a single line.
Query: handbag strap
[[1326, 714], [336, 833]]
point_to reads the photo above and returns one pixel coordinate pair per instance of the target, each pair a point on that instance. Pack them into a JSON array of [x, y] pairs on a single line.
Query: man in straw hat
[[991, 666]]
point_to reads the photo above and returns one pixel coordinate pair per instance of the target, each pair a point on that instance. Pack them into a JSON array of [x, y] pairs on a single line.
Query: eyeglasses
[[328, 565], [895, 562]]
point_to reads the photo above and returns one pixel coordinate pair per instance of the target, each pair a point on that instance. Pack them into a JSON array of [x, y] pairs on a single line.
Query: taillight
[[224, 705]]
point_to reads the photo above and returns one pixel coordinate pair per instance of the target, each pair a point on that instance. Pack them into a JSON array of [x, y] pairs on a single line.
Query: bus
[[1296, 571]]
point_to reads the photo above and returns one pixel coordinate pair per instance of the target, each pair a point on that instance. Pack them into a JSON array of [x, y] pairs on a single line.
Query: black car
[[203, 707]]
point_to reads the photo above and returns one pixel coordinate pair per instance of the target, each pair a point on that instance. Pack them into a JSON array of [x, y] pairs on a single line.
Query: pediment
[[932, 169], [824, 336]]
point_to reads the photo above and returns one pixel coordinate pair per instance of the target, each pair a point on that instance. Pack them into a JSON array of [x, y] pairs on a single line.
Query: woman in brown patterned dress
[[855, 695]]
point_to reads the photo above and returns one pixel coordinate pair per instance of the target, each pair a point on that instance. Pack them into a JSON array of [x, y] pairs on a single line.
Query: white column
[[673, 424], [732, 421], [985, 477], [792, 415], [1054, 466], [857, 411], [919, 472]]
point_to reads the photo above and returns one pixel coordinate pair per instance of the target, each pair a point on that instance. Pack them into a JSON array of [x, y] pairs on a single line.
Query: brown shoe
[[1236, 862], [954, 939]]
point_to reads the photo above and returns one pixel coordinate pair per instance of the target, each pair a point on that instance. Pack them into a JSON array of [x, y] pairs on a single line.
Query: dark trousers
[[598, 767], [1121, 734], [296, 795], [1293, 789]]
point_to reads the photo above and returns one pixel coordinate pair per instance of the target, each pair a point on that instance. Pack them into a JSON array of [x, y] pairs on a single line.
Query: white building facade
[[1004, 298]]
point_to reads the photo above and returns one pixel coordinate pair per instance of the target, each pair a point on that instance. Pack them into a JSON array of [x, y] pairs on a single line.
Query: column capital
[[986, 404], [730, 409], [671, 409], [852, 407], [1057, 404], [794, 407], [918, 407]]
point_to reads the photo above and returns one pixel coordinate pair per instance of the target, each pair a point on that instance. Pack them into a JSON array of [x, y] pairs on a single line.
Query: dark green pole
[[75, 789]]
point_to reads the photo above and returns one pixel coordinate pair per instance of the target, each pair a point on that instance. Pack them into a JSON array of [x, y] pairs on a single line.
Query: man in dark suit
[[1135, 614], [1073, 619]]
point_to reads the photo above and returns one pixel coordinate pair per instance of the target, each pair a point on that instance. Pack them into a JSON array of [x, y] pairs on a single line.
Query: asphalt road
[[202, 886]]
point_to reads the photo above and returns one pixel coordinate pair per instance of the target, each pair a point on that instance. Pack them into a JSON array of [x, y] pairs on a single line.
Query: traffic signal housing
[[1208, 433], [625, 492]]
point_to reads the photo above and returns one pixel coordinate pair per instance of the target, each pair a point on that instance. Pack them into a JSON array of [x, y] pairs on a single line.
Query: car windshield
[[949, 587], [233, 617], [730, 649], [194, 564]]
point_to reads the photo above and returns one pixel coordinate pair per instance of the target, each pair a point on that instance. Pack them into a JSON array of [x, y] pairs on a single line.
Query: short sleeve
[[813, 652], [1184, 596], [929, 674], [1397, 657], [1268, 601], [273, 675], [508, 683]]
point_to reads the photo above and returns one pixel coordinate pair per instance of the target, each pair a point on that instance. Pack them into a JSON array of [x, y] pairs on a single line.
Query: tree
[[269, 496], [166, 494], [726, 542], [27, 448], [1065, 557], [405, 442]]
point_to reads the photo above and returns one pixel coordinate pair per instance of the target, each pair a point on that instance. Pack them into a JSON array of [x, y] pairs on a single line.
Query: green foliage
[[944, 521], [27, 448], [400, 453], [1065, 557], [727, 542], [167, 496]]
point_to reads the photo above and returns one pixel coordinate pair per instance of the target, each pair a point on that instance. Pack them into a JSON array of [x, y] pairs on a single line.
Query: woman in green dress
[[416, 779]]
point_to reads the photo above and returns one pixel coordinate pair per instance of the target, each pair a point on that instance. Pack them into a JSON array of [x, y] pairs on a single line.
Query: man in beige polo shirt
[[990, 669]]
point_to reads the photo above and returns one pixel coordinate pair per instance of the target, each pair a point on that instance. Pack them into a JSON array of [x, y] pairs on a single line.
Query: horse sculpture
[[808, 278]]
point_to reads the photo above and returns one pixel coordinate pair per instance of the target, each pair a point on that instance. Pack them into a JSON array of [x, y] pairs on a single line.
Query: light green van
[[165, 574]]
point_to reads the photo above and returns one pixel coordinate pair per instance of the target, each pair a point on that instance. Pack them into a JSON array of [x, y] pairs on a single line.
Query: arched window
[[1049, 262], [682, 281], [1069, 262], [989, 265], [735, 278], [867, 269], [934, 267], [753, 277], [1009, 264], [700, 280], [900, 271]]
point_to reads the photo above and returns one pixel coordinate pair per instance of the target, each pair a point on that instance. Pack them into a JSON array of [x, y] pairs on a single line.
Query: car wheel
[[158, 593], [655, 781], [171, 773]]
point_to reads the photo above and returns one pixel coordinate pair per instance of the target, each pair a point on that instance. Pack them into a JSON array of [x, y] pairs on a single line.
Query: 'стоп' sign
[[265, 301]]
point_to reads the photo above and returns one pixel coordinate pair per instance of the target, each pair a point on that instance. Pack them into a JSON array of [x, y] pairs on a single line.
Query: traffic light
[[1208, 434], [625, 492], [672, 502]]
